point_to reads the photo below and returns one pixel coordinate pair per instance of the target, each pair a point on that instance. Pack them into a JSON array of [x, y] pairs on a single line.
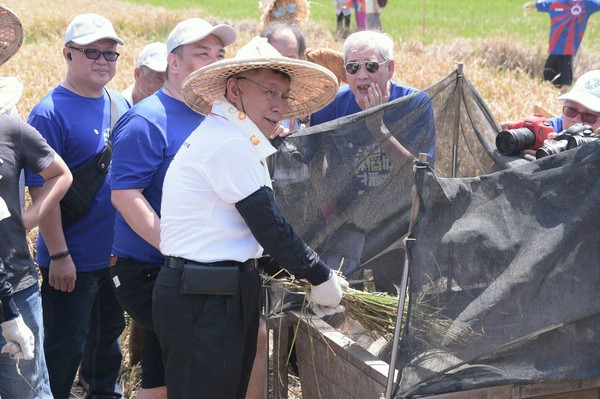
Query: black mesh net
[[504, 277]]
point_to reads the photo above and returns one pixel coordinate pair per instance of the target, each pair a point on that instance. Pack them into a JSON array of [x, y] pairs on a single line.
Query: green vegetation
[[424, 21]]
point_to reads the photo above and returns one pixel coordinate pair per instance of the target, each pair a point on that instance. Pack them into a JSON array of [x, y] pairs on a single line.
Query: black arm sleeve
[[278, 238]]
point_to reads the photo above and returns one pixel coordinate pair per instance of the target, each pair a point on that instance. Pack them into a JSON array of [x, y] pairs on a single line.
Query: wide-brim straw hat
[[11, 33], [311, 87], [299, 17]]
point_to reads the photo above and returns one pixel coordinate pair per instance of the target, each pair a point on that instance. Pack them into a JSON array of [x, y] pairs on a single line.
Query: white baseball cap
[[193, 29], [89, 28], [154, 56], [586, 91]]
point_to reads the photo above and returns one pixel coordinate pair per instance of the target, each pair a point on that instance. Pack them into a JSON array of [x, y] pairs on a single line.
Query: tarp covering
[[505, 277], [349, 195], [504, 271]]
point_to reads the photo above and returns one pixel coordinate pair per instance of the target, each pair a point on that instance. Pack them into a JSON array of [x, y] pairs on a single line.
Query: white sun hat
[[586, 91]]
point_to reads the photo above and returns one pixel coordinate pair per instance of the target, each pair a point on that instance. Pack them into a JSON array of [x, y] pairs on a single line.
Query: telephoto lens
[[513, 141], [552, 147], [579, 140]]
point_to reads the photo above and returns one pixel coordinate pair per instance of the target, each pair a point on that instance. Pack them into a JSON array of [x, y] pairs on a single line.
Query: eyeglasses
[[272, 94], [370, 66], [93, 54], [585, 117], [280, 11]]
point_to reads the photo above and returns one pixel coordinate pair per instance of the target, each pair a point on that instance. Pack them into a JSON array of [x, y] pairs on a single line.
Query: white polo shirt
[[216, 167]]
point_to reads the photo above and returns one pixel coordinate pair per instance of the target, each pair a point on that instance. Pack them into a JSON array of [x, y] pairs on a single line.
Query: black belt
[[175, 263]]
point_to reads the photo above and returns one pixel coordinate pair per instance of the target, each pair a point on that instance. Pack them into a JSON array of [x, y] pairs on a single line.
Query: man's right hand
[[19, 339], [62, 274]]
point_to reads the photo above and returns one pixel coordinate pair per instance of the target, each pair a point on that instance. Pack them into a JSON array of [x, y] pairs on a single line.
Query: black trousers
[[208, 341], [559, 69], [134, 292]]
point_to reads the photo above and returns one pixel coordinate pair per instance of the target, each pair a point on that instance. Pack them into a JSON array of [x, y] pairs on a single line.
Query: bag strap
[[114, 113]]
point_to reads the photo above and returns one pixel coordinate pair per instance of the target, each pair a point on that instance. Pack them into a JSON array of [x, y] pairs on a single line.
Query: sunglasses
[[93, 54], [272, 94], [585, 117], [280, 11], [370, 66]]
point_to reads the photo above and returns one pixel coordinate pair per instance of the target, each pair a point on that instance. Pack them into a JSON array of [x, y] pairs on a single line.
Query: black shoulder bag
[[88, 179]]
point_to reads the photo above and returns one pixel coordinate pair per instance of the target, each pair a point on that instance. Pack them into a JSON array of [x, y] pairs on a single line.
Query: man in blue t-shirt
[[369, 64], [145, 141], [568, 20], [82, 317]]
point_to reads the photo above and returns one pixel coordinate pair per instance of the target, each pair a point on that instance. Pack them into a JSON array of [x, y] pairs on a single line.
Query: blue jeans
[[34, 382], [83, 327]]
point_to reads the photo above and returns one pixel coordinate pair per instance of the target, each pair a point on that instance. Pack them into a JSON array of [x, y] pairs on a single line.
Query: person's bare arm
[[58, 180], [138, 214], [62, 274], [530, 4], [398, 155], [396, 152]]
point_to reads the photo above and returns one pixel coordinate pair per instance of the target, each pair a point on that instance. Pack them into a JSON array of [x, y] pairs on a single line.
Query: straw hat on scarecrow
[[11, 33], [11, 39], [311, 86], [289, 11]]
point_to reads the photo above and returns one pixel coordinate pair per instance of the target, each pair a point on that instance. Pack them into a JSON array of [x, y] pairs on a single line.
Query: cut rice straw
[[375, 311]]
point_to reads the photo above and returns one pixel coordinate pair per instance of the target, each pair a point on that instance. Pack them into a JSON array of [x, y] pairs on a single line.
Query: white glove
[[19, 339], [325, 298]]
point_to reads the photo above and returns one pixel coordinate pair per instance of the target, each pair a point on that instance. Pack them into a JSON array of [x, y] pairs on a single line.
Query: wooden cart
[[333, 366]]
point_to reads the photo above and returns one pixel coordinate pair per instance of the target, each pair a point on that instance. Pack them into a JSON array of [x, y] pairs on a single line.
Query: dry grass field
[[505, 73]]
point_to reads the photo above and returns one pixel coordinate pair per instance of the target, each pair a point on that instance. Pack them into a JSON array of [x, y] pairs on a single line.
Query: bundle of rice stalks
[[375, 311]]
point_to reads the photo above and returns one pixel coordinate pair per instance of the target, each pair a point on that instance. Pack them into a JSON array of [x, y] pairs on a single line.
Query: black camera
[[575, 136], [290, 153], [586, 137]]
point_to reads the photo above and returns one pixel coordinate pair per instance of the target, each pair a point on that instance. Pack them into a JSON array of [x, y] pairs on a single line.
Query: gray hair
[[370, 39], [275, 27]]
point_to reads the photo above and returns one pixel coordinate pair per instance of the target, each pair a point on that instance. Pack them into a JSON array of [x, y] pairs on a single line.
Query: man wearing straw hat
[[23, 372], [146, 139], [219, 215], [83, 319]]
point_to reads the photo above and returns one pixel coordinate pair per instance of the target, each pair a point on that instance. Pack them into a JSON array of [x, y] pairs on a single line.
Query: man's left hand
[[279, 131]]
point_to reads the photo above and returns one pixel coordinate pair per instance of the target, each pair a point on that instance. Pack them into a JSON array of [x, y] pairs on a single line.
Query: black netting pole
[[456, 133], [416, 205]]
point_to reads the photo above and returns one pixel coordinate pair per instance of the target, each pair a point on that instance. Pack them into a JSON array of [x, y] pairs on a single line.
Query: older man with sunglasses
[[82, 316], [369, 64]]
